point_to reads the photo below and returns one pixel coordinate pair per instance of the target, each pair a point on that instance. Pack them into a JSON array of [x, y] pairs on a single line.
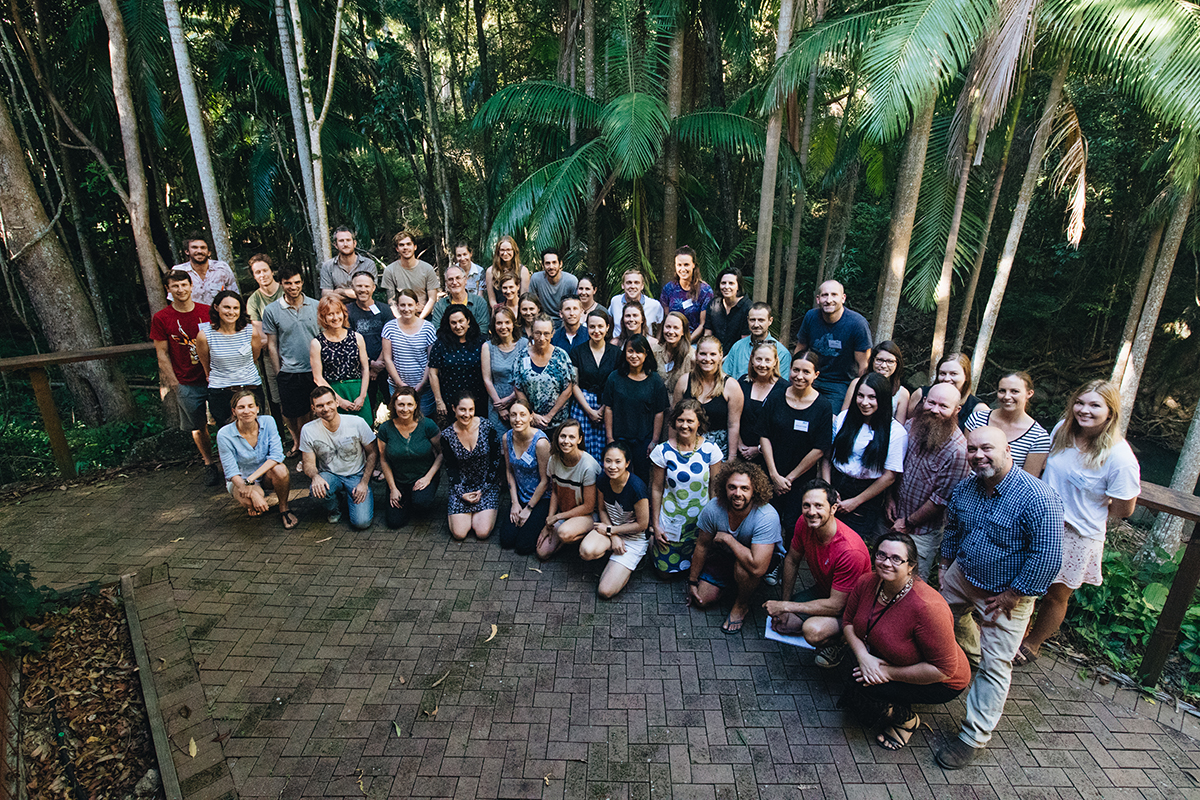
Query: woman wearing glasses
[[910, 659]]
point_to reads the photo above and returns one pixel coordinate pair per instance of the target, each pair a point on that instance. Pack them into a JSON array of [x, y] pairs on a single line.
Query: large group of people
[[675, 434]]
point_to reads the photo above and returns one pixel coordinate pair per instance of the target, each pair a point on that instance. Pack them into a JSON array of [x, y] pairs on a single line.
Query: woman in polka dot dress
[[683, 469]]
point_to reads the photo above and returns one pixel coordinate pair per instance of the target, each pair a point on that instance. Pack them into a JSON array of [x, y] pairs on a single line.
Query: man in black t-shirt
[[367, 317]]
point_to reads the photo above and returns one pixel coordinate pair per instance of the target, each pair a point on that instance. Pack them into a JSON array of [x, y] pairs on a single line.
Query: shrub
[[20, 602]]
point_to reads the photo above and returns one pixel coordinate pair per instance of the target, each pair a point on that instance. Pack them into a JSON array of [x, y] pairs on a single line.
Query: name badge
[[375, 309], [836, 344], [688, 304], [245, 349], [526, 458], [800, 425]]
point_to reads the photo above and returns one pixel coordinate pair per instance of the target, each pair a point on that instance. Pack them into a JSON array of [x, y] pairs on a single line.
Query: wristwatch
[[609, 530], [693, 583]]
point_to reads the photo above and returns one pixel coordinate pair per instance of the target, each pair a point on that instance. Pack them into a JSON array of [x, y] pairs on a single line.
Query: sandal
[[895, 736], [1024, 656], [289, 520], [731, 625]]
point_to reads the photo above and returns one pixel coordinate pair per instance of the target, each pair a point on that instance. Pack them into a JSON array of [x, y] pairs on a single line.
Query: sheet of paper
[[795, 640]]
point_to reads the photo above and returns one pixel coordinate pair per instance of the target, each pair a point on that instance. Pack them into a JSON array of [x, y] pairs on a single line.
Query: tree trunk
[[486, 80], [1136, 303], [299, 119], [433, 127], [904, 214], [777, 261], [799, 202], [766, 207], [716, 99], [842, 224], [589, 88], [1033, 169], [196, 127], [670, 224], [139, 197], [1163, 267], [53, 288], [942, 320], [1167, 532]]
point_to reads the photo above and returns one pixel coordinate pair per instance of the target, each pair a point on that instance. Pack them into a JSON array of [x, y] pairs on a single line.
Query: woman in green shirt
[[410, 454]]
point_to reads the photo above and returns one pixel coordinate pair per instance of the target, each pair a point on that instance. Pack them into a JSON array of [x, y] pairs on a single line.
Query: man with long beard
[[935, 461]]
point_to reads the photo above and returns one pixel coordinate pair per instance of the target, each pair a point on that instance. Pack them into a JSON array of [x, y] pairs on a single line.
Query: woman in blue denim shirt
[[252, 457]]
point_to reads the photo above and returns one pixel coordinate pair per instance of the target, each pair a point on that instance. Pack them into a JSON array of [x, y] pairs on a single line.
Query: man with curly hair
[[738, 535]]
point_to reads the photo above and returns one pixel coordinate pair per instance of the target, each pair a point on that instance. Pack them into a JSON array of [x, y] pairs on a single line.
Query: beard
[[931, 431]]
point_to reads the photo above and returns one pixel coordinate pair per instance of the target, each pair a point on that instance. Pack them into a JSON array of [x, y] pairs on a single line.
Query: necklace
[[899, 595]]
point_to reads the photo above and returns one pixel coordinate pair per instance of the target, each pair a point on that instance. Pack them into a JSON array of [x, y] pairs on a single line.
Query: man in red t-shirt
[[173, 331], [837, 558]]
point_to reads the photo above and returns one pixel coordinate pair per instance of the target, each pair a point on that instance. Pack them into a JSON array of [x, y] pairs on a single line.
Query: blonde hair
[[696, 379], [775, 374], [1095, 451]]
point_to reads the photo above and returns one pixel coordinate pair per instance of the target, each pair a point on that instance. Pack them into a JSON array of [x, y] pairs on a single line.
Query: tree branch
[[333, 59]]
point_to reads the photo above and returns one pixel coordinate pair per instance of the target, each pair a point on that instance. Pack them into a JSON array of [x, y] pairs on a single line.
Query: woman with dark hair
[[1027, 439], [456, 360], [506, 260], [955, 369], [228, 348], [594, 360], [757, 385], [545, 377], [673, 350], [339, 360], [888, 361], [526, 454], [633, 323], [252, 458], [635, 400], [796, 432], [680, 486], [572, 474], [624, 519], [529, 309], [911, 659], [868, 454], [407, 340], [471, 449], [688, 293], [718, 393], [498, 363], [410, 457], [728, 314], [510, 297]]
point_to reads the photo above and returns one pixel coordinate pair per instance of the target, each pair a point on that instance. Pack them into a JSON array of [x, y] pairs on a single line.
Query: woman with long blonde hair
[[506, 260], [717, 393], [1096, 474]]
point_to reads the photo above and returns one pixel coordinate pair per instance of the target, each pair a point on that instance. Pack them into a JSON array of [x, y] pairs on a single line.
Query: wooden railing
[[36, 367], [1183, 587]]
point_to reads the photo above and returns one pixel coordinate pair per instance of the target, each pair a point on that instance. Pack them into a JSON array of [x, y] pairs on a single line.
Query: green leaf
[[634, 126], [1155, 596]]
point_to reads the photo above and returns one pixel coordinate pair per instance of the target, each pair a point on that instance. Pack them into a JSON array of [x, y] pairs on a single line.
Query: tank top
[[339, 360], [717, 409], [525, 466], [231, 359]]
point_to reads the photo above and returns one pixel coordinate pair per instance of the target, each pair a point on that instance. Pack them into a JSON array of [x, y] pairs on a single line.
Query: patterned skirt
[[593, 432], [720, 439], [675, 557]]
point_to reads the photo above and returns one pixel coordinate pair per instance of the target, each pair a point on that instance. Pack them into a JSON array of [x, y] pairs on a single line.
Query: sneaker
[[956, 754], [334, 517], [211, 476], [830, 655], [772, 577]]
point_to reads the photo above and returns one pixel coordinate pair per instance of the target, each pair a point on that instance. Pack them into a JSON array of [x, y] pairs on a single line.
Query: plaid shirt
[[930, 476], [1011, 538]]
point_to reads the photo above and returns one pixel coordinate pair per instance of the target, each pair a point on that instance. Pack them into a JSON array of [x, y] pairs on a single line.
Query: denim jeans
[[991, 642], [361, 514]]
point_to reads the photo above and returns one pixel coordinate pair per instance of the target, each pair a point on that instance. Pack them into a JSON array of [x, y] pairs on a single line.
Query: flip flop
[[891, 740], [289, 520], [731, 625], [1024, 656]]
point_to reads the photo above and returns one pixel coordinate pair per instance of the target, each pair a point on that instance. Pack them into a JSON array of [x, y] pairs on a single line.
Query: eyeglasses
[[895, 561]]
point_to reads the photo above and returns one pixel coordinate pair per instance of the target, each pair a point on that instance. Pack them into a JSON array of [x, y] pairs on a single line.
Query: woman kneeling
[[572, 474], [913, 659], [252, 457], [624, 520]]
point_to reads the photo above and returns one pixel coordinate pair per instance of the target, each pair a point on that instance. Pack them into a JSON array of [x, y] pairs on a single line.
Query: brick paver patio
[[339, 664]]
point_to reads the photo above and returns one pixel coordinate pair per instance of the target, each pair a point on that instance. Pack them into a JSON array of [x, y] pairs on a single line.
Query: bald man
[[840, 336], [934, 462], [1002, 548]]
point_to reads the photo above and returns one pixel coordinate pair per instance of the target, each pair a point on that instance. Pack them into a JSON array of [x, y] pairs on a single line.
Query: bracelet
[[693, 583]]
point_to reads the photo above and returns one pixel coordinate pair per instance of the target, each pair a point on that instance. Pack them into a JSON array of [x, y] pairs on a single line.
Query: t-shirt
[[794, 433], [341, 451], [897, 444], [369, 324], [178, 329], [409, 457], [257, 302], [410, 351], [835, 566], [334, 276], [422, 279], [737, 358], [550, 294], [568, 482], [916, 629], [761, 525], [1034, 440], [294, 328], [635, 404], [729, 326], [621, 506], [836, 343], [654, 312], [1084, 490]]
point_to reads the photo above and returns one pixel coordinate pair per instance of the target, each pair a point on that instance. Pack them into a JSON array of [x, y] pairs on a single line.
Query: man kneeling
[[837, 558], [252, 457], [339, 456], [739, 532]]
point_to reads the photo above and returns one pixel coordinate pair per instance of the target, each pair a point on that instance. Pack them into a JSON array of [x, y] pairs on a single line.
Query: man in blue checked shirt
[[1002, 549]]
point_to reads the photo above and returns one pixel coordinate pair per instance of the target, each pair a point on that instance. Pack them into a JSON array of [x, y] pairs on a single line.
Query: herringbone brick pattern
[[343, 664]]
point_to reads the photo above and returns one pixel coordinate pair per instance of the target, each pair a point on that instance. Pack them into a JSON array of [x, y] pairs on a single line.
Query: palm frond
[[722, 130], [537, 103], [874, 162], [634, 127], [1072, 166]]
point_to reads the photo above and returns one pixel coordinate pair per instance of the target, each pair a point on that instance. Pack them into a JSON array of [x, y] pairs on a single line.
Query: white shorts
[[635, 549]]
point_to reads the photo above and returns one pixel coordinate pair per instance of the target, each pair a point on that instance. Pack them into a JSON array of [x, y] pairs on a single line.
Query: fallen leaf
[[326, 539], [402, 681], [180, 539], [495, 630], [546, 778], [192, 749], [535, 569], [505, 575], [432, 713], [396, 725], [439, 680]]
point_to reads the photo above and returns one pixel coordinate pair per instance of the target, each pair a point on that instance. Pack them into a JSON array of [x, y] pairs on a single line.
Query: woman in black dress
[[594, 359], [757, 385], [455, 367], [719, 395], [635, 400]]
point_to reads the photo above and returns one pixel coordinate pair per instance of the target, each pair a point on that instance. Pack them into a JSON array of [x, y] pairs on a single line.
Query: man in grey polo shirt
[[551, 285], [337, 272], [290, 324]]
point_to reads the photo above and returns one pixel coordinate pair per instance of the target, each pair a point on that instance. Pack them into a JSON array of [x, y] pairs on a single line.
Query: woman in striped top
[[228, 350], [406, 343], [339, 360], [1029, 442]]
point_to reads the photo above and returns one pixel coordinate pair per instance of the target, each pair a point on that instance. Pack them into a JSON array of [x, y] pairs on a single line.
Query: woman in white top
[[572, 472], [1094, 470], [407, 340], [228, 349], [867, 455], [888, 361], [1028, 441]]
